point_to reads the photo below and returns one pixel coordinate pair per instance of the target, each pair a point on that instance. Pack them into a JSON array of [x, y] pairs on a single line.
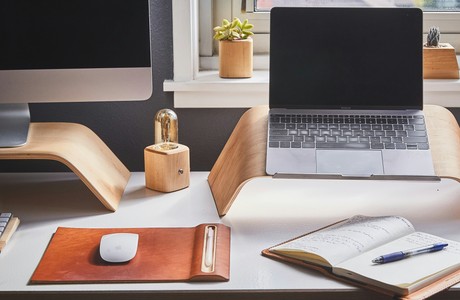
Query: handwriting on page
[[354, 236], [422, 239]]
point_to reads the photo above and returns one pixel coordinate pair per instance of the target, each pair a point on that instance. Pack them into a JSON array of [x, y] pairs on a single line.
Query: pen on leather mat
[[209, 247], [407, 253]]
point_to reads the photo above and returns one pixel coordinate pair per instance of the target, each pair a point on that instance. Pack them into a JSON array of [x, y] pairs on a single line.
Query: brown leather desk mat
[[164, 254]]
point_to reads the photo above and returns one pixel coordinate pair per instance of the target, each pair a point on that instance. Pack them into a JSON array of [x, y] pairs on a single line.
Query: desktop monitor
[[70, 50]]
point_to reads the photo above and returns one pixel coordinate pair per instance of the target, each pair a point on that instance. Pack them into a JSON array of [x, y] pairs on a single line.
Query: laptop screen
[[346, 58]]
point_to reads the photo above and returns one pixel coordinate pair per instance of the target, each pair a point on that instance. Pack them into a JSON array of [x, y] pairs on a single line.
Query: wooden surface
[[82, 151], [235, 58], [9, 231], [440, 63], [444, 138], [243, 156], [167, 171]]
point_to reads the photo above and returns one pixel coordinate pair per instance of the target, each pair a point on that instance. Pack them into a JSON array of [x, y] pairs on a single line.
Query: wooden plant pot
[[440, 62], [235, 58]]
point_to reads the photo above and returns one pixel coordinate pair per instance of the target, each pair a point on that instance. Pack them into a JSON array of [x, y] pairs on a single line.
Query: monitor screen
[[74, 50], [70, 51]]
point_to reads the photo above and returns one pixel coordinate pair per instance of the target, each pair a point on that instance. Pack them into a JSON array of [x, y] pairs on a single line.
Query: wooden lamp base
[[167, 170]]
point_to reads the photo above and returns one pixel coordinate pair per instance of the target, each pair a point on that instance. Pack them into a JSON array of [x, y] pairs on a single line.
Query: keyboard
[[5, 218], [348, 131]]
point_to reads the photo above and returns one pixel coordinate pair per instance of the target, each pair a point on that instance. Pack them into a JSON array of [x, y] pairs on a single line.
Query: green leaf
[[238, 22], [233, 30], [235, 22]]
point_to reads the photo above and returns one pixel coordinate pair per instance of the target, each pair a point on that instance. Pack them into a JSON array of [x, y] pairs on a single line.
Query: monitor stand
[[74, 145], [14, 124]]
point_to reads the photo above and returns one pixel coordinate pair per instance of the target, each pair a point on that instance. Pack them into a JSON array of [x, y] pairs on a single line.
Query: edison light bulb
[[166, 130]]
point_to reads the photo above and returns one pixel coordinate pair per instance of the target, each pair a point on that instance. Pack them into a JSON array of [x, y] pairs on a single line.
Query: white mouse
[[118, 247]]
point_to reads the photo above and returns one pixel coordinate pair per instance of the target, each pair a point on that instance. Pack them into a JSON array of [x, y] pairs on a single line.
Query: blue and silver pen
[[407, 253]]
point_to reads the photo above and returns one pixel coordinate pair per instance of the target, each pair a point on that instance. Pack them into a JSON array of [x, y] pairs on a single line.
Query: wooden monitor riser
[[243, 156], [82, 151]]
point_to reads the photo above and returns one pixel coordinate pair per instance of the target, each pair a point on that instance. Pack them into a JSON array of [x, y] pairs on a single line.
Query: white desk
[[289, 208]]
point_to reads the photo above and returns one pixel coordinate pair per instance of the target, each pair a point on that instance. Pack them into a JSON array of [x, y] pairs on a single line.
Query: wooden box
[[167, 170], [440, 62]]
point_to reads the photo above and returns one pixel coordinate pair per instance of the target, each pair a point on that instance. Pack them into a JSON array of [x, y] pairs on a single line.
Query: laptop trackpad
[[349, 162]]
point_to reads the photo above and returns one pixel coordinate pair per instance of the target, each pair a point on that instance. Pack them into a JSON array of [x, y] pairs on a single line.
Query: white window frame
[[201, 87], [448, 22]]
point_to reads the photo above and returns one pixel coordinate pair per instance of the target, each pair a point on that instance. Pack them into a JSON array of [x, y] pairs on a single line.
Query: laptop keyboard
[[348, 132]]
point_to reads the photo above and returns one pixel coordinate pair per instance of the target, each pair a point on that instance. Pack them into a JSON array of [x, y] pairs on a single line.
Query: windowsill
[[208, 90], [194, 89]]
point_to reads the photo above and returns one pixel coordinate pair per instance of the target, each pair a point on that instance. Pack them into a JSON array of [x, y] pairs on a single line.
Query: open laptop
[[346, 93]]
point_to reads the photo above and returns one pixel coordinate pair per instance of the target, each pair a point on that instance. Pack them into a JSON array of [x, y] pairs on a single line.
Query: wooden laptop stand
[[82, 151], [243, 156]]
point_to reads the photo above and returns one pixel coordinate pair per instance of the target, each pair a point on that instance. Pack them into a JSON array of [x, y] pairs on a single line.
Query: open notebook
[[346, 251]]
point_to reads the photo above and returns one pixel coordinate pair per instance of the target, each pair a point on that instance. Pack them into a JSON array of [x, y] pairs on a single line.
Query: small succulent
[[235, 30], [432, 40]]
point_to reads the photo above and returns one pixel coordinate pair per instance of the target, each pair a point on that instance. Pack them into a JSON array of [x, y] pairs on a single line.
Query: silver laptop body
[[346, 93]]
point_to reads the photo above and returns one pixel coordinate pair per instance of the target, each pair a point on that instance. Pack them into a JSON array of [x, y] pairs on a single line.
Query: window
[[442, 13], [433, 5], [197, 84]]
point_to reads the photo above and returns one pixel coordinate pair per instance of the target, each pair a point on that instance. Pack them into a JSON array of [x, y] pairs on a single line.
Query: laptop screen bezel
[[288, 86]]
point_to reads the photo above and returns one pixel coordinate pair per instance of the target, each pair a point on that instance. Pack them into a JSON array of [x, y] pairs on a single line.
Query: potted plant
[[235, 48], [439, 60]]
